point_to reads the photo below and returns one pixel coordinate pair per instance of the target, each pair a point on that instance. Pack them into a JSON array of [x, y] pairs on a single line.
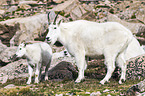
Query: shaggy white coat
[[38, 55], [90, 39]]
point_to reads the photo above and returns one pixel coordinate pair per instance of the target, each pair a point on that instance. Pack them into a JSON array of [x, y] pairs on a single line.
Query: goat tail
[[125, 46]]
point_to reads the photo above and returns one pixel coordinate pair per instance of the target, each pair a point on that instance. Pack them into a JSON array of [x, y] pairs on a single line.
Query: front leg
[[30, 70], [38, 73], [81, 64], [110, 63]]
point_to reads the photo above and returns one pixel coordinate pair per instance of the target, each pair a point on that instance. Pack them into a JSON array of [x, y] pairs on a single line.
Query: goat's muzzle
[[48, 40], [13, 58], [65, 53]]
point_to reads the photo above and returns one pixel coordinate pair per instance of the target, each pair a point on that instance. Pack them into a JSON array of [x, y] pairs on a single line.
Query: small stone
[[10, 86], [95, 93], [106, 90], [69, 94], [87, 93], [98, 92], [58, 94]]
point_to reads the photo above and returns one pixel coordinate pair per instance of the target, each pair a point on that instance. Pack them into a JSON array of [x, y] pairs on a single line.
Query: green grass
[[50, 88], [91, 84]]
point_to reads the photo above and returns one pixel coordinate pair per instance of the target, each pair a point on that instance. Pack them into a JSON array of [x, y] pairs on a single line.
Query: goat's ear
[[59, 22], [24, 43]]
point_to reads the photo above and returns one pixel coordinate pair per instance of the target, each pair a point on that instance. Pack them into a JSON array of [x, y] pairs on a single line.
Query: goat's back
[[94, 37]]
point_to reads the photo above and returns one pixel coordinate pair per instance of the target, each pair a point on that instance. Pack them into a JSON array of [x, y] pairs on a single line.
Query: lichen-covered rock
[[63, 70], [14, 70], [133, 90], [135, 68]]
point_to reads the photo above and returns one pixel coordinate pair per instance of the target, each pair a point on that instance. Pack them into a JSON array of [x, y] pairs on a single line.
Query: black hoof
[[123, 81]]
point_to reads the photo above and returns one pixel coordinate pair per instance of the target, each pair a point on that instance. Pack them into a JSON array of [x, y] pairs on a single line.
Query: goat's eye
[[54, 27]]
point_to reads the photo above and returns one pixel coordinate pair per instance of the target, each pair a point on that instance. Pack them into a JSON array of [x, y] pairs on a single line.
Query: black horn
[[48, 17], [56, 18]]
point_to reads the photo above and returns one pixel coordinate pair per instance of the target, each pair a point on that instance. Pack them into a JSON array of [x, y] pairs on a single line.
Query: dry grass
[[50, 88], [93, 74]]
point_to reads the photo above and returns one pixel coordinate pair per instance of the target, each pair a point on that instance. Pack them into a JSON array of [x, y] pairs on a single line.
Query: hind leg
[[122, 64], [110, 57], [46, 70], [81, 64], [110, 63]]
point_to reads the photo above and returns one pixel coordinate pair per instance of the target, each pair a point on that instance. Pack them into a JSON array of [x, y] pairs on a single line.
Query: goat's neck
[[28, 52], [63, 37]]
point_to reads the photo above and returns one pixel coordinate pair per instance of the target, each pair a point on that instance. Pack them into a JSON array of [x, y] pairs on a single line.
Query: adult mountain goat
[[90, 39], [38, 55]]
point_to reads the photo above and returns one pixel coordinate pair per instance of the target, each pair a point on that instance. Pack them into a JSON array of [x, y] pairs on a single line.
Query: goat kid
[[38, 55]]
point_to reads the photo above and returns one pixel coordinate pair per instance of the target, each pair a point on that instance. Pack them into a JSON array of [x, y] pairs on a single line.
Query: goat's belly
[[92, 52], [96, 57]]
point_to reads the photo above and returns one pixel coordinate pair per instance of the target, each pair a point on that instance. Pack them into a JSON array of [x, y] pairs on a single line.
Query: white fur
[[134, 49], [38, 55], [63, 53], [85, 38]]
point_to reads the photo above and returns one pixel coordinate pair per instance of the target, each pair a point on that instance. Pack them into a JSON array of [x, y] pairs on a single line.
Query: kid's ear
[[25, 44]]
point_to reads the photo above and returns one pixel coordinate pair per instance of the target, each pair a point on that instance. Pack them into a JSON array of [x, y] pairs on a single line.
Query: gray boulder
[[2, 47], [8, 53], [135, 28], [23, 29], [135, 68], [13, 70]]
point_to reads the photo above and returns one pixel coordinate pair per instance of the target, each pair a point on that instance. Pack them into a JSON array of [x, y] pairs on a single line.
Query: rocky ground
[[27, 21]]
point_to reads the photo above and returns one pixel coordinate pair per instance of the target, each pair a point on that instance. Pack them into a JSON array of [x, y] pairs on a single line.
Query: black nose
[[65, 53], [47, 38], [13, 58]]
